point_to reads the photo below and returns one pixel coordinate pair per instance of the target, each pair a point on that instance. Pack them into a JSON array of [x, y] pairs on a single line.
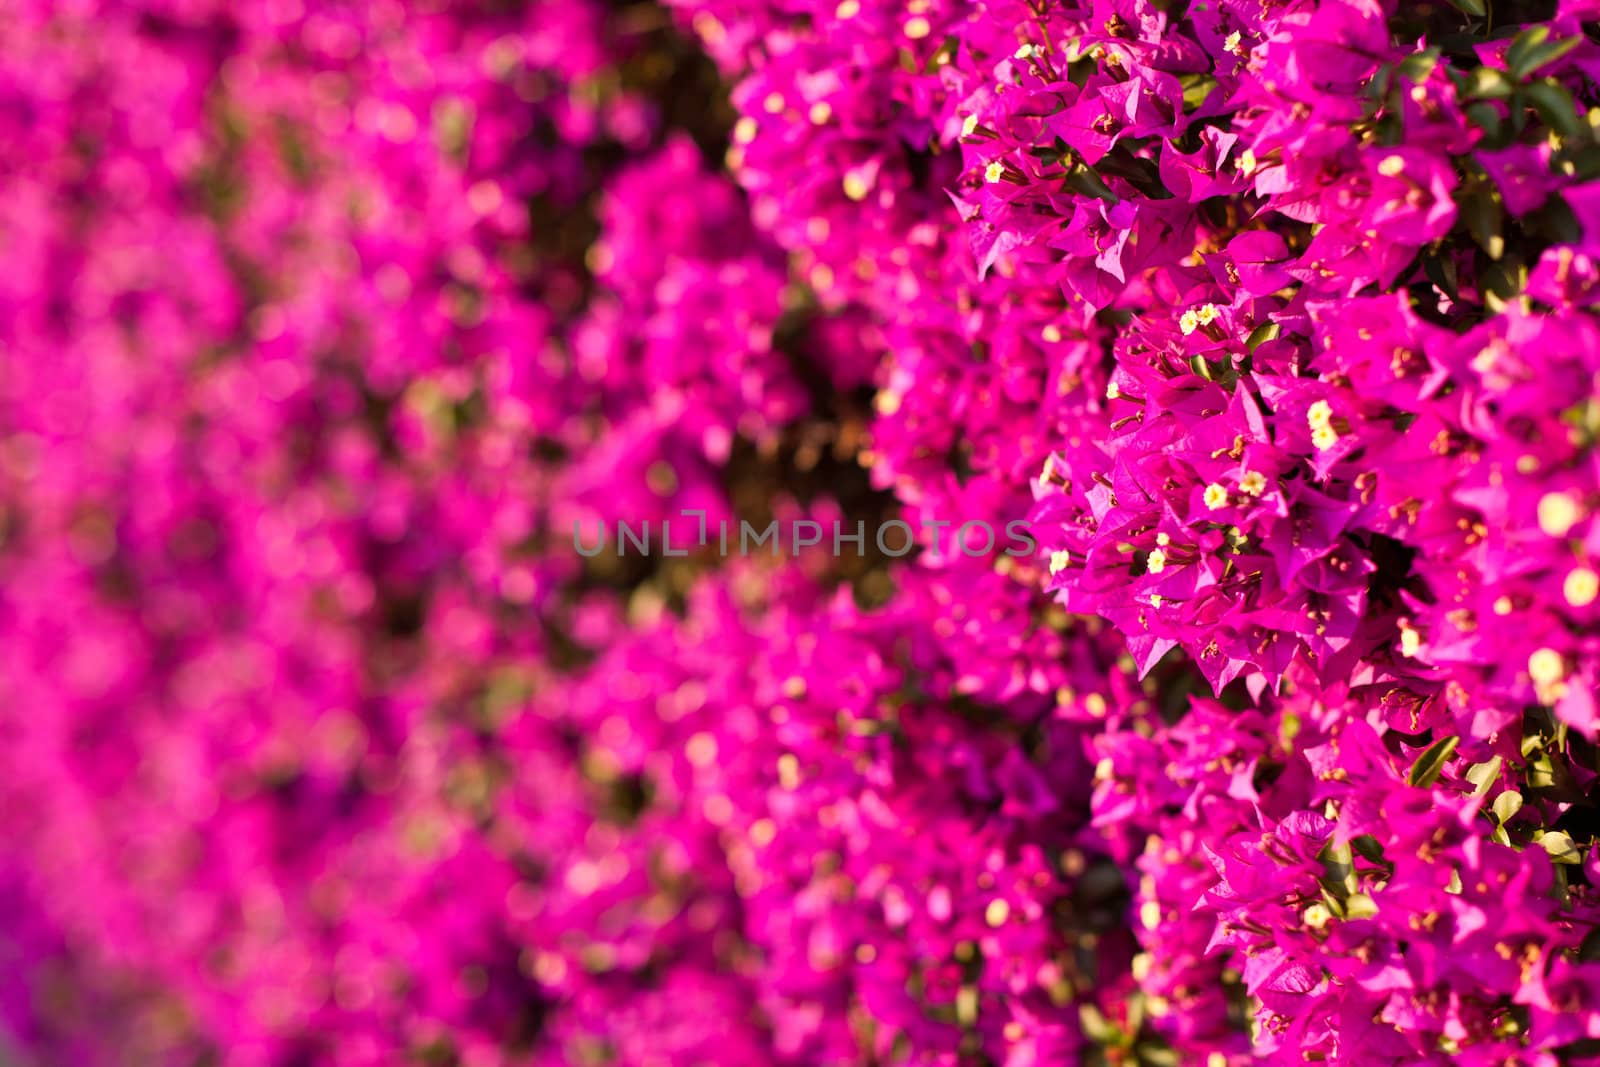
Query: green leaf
[[1084, 180], [945, 52], [1589, 951], [1519, 121], [1417, 66], [1370, 849], [1488, 83], [1378, 85], [1523, 43], [1334, 904], [1506, 806], [1360, 906], [1483, 775], [1338, 870], [967, 1005], [1560, 847], [1441, 271], [1288, 728], [1474, 8], [1554, 104], [1552, 774], [1094, 1024], [1155, 1055], [1502, 281], [1430, 764], [1267, 331], [1486, 117], [1587, 163], [1540, 54], [1481, 211], [1196, 87], [1555, 222], [1136, 1008]]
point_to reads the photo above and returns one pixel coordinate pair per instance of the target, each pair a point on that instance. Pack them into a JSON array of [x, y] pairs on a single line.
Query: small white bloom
[[1547, 667], [1581, 587], [1558, 513]]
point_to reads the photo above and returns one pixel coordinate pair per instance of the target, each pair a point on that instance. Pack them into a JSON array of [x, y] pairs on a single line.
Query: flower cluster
[[1274, 323]]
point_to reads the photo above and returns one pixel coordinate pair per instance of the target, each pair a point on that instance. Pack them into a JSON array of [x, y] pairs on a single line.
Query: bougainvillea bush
[[325, 326]]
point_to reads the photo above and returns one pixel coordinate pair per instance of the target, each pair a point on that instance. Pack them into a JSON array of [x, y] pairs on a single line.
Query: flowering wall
[[324, 327]]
